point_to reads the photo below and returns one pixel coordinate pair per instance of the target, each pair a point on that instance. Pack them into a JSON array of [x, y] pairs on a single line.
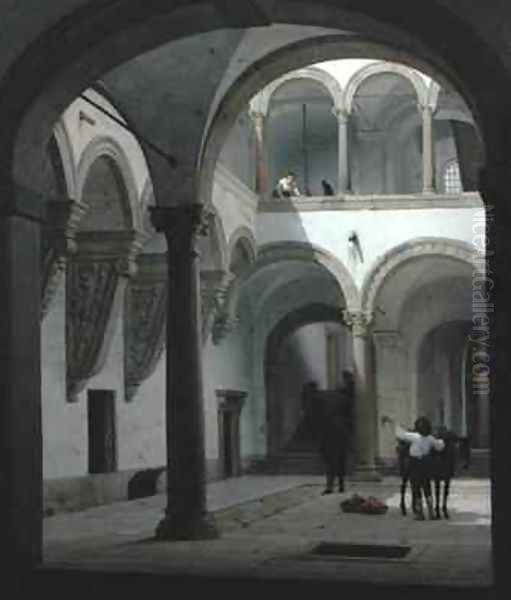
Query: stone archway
[[299, 318]]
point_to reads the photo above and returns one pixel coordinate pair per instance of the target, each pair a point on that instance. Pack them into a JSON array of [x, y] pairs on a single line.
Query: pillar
[[260, 150], [343, 182], [493, 325], [365, 402], [428, 166], [21, 504], [186, 515], [392, 396]]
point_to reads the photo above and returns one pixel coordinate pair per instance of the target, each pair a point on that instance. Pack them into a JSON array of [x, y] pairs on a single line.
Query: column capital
[[258, 116], [341, 114], [189, 219], [358, 321]]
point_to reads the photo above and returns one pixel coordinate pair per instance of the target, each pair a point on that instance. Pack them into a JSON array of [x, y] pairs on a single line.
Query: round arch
[[427, 246], [300, 251], [289, 324], [244, 235], [261, 102], [104, 146], [380, 68]]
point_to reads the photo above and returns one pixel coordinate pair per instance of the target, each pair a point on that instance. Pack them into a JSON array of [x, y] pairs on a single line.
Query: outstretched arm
[[399, 432]]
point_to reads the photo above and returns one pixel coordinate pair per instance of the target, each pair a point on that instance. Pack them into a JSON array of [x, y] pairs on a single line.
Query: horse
[[442, 468]]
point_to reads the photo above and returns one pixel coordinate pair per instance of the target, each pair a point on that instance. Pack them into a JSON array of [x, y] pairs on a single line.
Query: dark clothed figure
[[328, 190], [334, 438]]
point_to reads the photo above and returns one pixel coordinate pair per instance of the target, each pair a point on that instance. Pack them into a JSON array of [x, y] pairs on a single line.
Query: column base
[[365, 473], [175, 528]]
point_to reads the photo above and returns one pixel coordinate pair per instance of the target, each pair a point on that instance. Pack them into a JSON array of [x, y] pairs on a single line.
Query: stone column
[[21, 503], [365, 404], [343, 180], [186, 515], [428, 153], [392, 398], [494, 186], [262, 186]]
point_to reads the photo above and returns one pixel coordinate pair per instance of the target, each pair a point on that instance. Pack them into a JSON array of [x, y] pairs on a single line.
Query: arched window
[[452, 178]]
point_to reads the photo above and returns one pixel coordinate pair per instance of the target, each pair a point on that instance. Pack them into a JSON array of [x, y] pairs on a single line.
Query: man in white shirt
[[287, 187], [421, 443]]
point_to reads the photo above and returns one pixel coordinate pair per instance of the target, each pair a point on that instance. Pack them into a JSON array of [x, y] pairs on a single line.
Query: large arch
[[419, 247], [289, 324]]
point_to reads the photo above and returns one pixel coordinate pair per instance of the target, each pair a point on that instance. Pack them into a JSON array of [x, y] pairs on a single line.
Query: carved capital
[[358, 321], [58, 244], [341, 115], [223, 325], [181, 225], [214, 288]]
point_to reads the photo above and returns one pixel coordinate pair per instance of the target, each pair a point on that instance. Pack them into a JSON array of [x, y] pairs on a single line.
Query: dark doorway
[[228, 444], [230, 403], [102, 431]]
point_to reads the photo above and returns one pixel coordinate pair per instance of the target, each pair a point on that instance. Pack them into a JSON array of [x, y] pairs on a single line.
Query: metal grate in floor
[[360, 550]]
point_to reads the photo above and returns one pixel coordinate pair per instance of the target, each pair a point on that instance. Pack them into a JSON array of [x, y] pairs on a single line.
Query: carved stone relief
[[145, 312], [96, 277]]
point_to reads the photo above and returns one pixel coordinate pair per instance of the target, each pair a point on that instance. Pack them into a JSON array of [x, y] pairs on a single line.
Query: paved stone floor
[[271, 524]]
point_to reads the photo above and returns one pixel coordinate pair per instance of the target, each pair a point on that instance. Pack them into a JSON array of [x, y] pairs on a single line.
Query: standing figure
[[287, 186], [334, 437], [421, 444]]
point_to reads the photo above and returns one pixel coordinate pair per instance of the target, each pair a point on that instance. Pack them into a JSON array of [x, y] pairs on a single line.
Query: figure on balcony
[[286, 186], [328, 190]]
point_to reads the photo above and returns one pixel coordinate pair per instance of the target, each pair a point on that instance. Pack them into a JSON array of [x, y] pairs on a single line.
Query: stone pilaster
[[365, 403], [262, 185], [186, 515], [21, 503], [392, 397]]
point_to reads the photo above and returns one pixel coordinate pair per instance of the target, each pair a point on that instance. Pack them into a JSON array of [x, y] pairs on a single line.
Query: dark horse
[[442, 467]]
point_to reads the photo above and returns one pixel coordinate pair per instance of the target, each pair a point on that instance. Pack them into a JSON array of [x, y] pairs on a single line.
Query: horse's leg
[[404, 482], [437, 497], [447, 484]]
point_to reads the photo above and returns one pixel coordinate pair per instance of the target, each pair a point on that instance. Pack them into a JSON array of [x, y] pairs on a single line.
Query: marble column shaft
[[186, 513], [262, 186], [428, 165], [365, 404], [343, 182]]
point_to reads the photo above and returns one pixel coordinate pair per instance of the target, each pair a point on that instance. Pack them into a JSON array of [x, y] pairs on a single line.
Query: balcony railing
[[370, 202]]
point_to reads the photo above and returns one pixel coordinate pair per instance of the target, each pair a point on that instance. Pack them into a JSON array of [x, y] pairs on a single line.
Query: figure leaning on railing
[[286, 187]]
